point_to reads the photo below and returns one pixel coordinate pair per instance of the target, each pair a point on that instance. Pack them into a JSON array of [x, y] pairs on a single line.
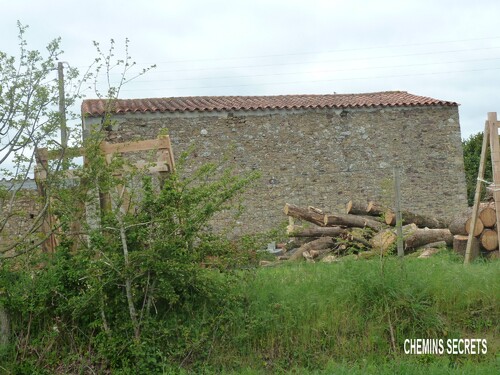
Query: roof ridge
[[97, 107]]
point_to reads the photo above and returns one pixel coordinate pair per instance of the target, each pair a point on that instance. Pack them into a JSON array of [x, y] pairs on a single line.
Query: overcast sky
[[448, 50]]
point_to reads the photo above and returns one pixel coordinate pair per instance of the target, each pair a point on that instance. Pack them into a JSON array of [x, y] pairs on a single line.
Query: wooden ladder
[[490, 134]]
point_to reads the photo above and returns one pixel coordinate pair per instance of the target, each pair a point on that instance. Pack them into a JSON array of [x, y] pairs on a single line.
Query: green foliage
[[472, 156], [180, 275]]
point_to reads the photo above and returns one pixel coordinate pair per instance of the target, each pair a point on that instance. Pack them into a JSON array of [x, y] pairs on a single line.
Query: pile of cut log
[[485, 238], [367, 230], [364, 231]]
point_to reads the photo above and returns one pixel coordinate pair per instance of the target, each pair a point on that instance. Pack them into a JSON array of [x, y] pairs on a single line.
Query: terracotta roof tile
[[97, 107]]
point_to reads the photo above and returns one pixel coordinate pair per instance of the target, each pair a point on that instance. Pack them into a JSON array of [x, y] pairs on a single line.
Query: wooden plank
[[477, 196], [151, 167], [71, 152], [495, 162], [171, 161]]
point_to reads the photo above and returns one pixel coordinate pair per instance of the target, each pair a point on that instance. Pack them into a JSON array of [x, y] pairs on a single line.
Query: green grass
[[314, 317]]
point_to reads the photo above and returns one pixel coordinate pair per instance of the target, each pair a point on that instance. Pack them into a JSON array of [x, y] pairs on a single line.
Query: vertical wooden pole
[[479, 184], [495, 162], [399, 219], [42, 164]]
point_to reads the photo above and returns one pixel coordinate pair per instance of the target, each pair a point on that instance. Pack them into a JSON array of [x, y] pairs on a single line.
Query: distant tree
[[472, 155]]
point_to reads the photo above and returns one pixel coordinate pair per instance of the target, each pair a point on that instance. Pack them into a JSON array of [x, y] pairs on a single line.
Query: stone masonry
[[321, 157]]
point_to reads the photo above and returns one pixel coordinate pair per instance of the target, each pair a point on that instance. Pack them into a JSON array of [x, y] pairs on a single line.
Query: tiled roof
[[97, 107]]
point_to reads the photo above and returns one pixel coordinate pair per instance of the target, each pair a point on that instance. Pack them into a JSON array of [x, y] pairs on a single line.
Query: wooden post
[[42, 163], [495, 162], [399, 220], [477, 196]]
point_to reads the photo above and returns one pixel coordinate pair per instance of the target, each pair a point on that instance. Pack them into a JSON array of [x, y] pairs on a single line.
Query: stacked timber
[[485, 237], [361, 232]]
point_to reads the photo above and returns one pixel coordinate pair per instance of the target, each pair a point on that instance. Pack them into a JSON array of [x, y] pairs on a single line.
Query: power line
[[314, 81], [350, 59], [322, 52], [316, 71], [325, 61]]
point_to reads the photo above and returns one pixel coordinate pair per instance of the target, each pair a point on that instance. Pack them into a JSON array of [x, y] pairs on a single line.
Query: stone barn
[[318, 150]]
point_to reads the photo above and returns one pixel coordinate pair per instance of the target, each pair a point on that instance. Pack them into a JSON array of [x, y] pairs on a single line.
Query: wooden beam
[[477, 196], [495, 162], [70, 152]]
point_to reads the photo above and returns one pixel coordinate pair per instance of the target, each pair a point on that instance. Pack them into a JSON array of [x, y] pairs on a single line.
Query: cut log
[[375, 209], [351, 221], [461, 225], [303, 214], [385, 240], [298, 231], [319, 244], [421, 237], [489, 239], [460, 245], [419, 220], [380, 219], [413, 237], [488, 215], [355, 208]]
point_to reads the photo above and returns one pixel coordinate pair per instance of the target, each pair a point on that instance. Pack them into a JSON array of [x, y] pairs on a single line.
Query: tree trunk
[[351, 221], [355, 208], [375, 209], [489, 239], [419, 220], [4, 326], [460, 245], [297, 231], [303, 214], [128, 282], [461, 225], [320, 243]]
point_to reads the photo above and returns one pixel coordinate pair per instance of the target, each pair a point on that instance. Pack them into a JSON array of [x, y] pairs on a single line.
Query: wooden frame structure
[[164, 164], [490, 136]]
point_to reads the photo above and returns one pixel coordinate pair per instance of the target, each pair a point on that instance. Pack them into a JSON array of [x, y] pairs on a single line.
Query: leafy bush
[[152, 287]]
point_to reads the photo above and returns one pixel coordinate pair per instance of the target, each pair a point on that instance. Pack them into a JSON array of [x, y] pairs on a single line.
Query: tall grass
[[310, 315]]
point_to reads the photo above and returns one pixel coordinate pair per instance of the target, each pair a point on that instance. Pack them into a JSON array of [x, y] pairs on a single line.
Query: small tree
[[29, 119]]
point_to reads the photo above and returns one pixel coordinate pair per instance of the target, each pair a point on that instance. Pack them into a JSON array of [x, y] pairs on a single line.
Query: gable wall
[[322, 158]]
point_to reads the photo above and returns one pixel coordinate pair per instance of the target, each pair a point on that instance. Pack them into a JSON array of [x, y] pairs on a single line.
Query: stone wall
[[19, 218], [323, 157]]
